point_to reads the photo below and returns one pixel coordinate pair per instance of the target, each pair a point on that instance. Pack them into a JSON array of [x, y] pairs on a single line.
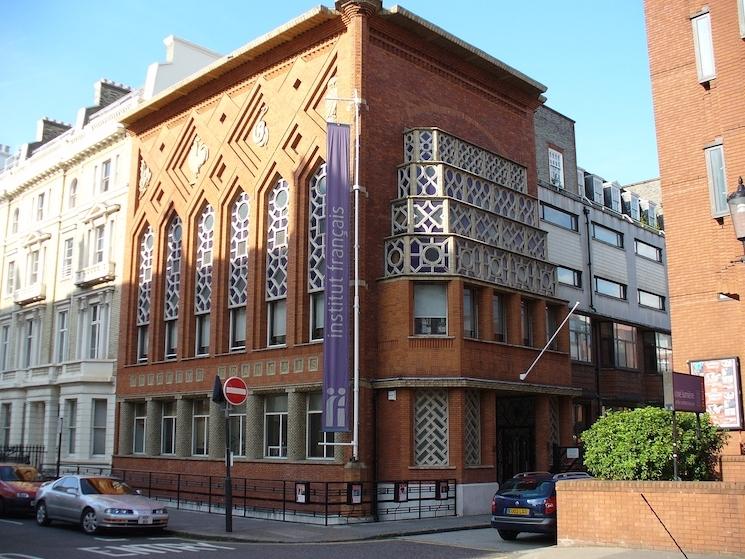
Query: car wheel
[[508, 535], [2, 506], [88, 521], [42, 518]]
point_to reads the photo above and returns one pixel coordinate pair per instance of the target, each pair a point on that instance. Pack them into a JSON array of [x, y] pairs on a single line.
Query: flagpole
[[524, 375], [356, 369]]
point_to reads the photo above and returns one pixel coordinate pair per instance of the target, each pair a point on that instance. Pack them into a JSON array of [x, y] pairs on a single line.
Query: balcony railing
[[30, 294], [97, 273]]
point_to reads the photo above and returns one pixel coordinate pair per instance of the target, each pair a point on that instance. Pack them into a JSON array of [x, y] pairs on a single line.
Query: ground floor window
[[200, 427], [140, 421], [5, 411], [315, 434], [238, 434], [275, 426], [71, 418], [99, 427], [168, 428]]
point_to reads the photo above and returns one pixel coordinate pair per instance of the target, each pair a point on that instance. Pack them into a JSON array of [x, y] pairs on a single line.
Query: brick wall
[[689, 116], [701, 516], [732, 468]]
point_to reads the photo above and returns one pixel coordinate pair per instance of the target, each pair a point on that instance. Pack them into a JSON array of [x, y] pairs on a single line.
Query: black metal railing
[[23, 454], [326, 502]]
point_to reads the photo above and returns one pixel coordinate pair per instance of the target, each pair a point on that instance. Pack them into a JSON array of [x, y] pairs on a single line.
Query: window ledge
[[433, 467], [480, 467]]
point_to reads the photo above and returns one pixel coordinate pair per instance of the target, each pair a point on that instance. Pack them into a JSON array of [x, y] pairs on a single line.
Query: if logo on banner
[[337, 256], [335, 408]]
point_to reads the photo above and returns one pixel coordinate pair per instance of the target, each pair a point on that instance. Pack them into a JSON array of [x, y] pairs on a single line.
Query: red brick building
[[224, 274], [696, 58]]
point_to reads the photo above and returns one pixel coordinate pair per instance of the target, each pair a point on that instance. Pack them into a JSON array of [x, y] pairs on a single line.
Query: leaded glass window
[[316, 262], [203, 287], [276, 262], [172, 284], [238, 280], [144, 292], [276, 257], [173, 269]]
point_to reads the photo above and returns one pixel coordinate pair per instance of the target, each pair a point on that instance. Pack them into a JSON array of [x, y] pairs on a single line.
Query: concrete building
[[63, 201], [696, 62], [613, 262]]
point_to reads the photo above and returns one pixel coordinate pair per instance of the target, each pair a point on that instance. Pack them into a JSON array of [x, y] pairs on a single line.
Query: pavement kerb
[[225, 537]]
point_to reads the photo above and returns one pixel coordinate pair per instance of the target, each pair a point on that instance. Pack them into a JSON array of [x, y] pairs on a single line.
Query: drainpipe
[[595, 331], [586, 211]]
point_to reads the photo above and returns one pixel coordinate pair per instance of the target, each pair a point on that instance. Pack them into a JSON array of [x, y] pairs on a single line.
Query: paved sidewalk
[[207, 526], [212, 526]]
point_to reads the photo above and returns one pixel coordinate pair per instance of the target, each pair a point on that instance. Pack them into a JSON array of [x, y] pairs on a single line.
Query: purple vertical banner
[[336, 331]]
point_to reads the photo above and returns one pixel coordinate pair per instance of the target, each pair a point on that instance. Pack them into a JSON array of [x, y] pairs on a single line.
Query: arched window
[[144, 293], [316, 239], [73, 194], [238, 277], [276, 263], [172, 285], [14, 224], [203, 284]]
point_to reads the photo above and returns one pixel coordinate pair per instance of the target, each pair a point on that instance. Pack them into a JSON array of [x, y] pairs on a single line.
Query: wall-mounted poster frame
[[722, 389], [354, 493], [302, 491], [401, 494], [441, 489]]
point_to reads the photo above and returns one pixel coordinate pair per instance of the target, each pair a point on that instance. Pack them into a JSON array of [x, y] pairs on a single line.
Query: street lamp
[[736, 203]]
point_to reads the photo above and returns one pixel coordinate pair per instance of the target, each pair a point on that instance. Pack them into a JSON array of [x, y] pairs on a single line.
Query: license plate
[[145, 520], [517, 512]]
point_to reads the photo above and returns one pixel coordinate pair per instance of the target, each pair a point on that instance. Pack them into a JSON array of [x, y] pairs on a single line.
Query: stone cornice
[[474, 383]]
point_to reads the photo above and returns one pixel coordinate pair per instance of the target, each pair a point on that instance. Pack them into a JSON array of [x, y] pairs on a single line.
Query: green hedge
[[638, 445]]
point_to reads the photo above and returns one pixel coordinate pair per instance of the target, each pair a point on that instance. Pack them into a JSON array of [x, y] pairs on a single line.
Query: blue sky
[[591, 54]]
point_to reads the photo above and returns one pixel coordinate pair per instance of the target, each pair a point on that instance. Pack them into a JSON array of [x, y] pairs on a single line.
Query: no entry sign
[[235, 391]]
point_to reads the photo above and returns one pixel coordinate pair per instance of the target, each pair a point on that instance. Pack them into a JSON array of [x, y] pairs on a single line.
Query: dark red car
[[18, 485]]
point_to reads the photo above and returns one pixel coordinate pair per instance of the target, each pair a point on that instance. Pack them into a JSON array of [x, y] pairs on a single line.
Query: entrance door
[[515, 436]]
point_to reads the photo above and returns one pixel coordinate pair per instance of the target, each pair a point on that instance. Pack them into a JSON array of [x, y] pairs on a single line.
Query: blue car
[[527, 503]]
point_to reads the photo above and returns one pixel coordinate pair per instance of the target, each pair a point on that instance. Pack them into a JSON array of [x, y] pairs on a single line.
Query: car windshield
[[527, 487], [8, 473], [104, 486]]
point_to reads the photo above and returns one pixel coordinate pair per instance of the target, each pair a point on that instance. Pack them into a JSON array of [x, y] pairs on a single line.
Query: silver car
[[97, 502]]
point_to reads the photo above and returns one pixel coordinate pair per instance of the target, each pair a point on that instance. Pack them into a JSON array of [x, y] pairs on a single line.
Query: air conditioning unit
[[648, 212], [612, 196], [594, 188], [630, 203]]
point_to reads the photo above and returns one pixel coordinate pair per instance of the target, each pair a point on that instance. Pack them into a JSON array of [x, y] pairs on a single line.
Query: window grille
[[431, 428], [472, 428]]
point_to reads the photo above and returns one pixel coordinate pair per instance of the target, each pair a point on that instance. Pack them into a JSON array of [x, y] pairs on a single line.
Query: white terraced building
[[62, 217]]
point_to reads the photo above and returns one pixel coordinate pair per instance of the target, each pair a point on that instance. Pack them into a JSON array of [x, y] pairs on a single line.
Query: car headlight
[[160, 511], [118, 511], [21, 495]]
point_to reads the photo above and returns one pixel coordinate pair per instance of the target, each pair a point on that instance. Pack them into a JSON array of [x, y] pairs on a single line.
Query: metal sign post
[[228, 480], [233, 392]]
